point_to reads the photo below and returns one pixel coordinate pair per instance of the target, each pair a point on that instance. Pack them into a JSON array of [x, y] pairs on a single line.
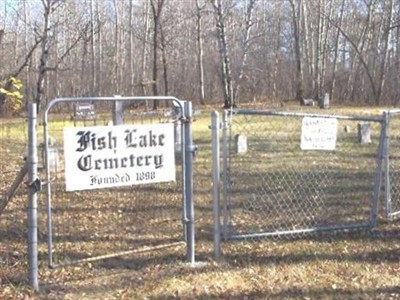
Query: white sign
[[109, 156], [318, 133]]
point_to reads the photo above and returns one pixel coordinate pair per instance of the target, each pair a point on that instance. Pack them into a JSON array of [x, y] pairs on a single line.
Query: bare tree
[[362, 55], [245, 47], [163, 46], [42, 70], [387, 29], [15, 74], [93, 47], [296, 6], [277, 51], [156, 8], [200, 51], [131, 55], [224, 55], [349, 48], [143, 69], [336, 52]]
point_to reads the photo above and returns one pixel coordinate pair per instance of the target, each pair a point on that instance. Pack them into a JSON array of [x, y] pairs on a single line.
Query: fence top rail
[[53, 102], [379, 119], [394, 111]]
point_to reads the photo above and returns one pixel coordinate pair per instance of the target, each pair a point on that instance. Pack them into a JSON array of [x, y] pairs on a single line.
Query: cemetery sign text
[[109, 156]]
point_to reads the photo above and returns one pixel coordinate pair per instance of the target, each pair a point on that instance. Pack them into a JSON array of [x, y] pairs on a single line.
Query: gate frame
[[226, 201], [188, 151], [389, 213]]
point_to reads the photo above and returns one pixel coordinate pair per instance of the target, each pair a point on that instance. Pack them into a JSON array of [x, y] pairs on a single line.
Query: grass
[[342, 265]]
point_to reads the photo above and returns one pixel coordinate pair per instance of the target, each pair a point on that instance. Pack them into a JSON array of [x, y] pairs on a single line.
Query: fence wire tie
[[35, 185], [220, 125]]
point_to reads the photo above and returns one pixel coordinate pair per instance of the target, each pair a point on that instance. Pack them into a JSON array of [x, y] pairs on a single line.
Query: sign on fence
[[318, 133], [109, 156]]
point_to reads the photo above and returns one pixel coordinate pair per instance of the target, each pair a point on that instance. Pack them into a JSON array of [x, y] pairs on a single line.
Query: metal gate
[[287, 174], [392, 166], [88, 225]]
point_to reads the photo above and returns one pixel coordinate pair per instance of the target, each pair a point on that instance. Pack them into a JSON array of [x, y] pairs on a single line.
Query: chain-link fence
[[88, 225], [287, 174], [392, 170], [84, 225], [13, 144]]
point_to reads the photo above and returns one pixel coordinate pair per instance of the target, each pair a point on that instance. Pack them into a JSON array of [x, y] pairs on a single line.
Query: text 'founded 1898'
[[104, 156]]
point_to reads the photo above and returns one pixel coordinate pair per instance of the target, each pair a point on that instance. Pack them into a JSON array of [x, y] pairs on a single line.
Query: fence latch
[[193, 148], [35, 185]]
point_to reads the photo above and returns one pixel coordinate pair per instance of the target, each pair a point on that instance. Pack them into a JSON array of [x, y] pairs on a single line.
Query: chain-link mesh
[[393, 169], [13, 150], [100, 222], [275, 188]]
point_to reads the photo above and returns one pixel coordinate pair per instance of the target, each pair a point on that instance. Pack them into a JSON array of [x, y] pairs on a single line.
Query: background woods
[[208, 51]]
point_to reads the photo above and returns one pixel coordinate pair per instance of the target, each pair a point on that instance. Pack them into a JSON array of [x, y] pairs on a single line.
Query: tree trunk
[[200, 51], [143, 73], [277, 52], [131, 62], [93, 49], [224, 55], [164, 59], [386, 37], [156, 6], [40, 85], [117, 51], [336, 55], [246, 47], [296, 20]]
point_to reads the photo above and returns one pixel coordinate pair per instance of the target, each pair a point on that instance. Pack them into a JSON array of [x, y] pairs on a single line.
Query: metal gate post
[[381, 159], [386, 157], [118, 112], [33, 189], [216, 182], [188, 181], [225, 226]]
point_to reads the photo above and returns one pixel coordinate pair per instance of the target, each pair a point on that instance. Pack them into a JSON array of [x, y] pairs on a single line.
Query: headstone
[[309, 102], [364, 133], [324, 101], [53, 158], [178, 135], [347, 129], [52, 152], [240, 143]]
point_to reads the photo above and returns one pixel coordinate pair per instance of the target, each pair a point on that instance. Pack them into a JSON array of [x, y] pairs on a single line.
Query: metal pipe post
[[48, 190], [216, 182], [386, 157], [189, 154], [33, 189], [225, 173], [118, 112], [378, 174]]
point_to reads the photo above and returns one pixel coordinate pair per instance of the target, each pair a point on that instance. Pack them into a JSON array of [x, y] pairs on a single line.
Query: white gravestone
[[240, 143]]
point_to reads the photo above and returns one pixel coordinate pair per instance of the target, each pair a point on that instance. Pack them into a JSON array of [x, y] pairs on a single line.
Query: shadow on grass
[[372, 257], [298, 293]]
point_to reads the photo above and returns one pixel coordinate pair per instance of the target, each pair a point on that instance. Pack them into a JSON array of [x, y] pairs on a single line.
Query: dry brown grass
[[356, 265]]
